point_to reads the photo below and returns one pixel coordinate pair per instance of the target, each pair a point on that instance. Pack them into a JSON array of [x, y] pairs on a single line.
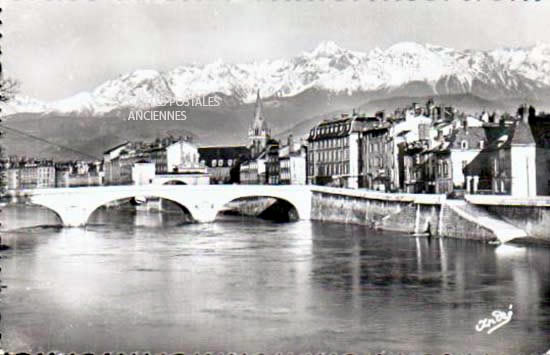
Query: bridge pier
[[204, 212], [73, 216]]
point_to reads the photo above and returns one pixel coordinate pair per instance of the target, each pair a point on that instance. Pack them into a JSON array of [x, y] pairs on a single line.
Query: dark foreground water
[[141, 282]]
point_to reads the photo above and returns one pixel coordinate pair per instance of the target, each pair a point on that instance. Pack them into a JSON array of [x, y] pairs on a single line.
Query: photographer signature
[[499, 318]]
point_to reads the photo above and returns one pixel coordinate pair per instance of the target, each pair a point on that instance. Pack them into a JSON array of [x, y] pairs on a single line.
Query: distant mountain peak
[[327, 48], [499, 73]]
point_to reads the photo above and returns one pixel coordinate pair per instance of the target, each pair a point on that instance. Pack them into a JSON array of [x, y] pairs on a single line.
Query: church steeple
[[258, 113], [259, 133]]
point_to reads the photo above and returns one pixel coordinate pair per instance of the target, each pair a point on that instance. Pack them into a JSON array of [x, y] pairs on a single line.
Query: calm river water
[[144, 282]]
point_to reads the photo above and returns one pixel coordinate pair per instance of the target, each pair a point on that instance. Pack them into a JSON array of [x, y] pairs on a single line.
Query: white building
[[143, 173], [514, 163], [182, 156], [292, 160]]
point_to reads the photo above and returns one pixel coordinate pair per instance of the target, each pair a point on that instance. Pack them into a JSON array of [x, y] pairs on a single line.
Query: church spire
[[260, 124], [258, 113], [259, 133]]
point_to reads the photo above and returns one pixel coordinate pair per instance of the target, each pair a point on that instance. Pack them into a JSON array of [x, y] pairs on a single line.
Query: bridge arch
[[134, 201], [77, 213], [280, 209], [53, 211], [75, 205], [174, 182]]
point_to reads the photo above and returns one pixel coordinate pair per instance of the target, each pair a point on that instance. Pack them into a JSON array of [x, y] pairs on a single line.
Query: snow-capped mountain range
[[499, 73]]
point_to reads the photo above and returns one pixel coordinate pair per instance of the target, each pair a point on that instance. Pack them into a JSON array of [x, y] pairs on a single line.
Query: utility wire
[[48, 142]]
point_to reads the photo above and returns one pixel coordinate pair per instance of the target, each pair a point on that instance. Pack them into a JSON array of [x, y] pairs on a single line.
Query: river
[[146, 282]]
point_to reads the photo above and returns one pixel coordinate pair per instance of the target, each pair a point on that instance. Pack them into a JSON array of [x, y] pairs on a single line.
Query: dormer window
[[464, 145]]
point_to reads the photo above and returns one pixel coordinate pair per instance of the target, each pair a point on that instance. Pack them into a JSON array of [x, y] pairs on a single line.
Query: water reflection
[[137, 281]]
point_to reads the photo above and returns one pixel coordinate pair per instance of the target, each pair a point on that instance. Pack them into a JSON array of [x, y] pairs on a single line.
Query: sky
[[57, 48]]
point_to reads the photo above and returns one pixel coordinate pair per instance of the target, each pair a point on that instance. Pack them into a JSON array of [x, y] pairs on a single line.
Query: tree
[[8, 89]]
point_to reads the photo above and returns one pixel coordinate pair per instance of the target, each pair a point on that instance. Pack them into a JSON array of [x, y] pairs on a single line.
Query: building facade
[[169, 156], [334, 152], [223, 162], [292, 163]]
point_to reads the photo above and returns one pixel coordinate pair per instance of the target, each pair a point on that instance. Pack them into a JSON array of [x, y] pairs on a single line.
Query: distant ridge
[[404, 69]]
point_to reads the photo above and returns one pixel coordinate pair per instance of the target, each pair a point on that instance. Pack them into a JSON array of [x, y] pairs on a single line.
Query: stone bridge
[[75, 205]]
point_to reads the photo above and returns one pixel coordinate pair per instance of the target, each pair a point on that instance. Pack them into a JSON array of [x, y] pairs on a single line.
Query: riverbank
[[433, 215]]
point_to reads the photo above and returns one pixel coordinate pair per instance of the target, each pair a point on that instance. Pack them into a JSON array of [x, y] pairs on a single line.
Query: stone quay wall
[[404, 213], [532, 214]]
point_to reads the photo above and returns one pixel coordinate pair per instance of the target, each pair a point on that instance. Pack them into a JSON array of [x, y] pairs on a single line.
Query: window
[[481, 144], [464, 145], [229, 162], [214, 161], [220, 162]]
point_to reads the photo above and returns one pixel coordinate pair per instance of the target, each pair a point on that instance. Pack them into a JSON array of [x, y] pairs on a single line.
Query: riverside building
[[170, 156], [334, 152]]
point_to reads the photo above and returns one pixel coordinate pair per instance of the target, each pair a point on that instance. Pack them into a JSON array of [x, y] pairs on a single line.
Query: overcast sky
[[57, 48]]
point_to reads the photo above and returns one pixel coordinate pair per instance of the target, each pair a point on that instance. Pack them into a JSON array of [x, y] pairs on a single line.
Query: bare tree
[[8, 89]]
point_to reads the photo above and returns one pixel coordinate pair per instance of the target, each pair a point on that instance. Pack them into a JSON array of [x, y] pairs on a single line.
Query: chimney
[[464, 121], [430, 107], [532, 114], [439, 137], [290, 141], [522, 113], [485, 116], [493, 117]]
